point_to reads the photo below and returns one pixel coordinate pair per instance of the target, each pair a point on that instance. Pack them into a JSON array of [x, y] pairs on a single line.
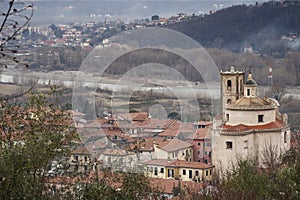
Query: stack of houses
[[168, 149]]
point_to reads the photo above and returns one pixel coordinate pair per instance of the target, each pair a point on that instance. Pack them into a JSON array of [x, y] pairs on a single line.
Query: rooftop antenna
[[270, 75]]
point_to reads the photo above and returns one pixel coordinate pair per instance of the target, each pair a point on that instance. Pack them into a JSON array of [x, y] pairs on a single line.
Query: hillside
[[271, 27]]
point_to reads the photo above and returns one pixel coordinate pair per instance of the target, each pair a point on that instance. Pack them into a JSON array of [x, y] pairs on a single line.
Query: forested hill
[[261, 25]]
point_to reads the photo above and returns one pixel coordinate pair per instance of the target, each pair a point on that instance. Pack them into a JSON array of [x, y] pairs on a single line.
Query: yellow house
[[179, 170]]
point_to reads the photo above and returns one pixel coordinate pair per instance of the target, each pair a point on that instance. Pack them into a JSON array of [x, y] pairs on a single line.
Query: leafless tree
[[271, 156], [278, 92], [14, 17]]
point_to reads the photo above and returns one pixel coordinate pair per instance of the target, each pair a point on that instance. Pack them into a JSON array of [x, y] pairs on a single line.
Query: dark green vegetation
[[279, 180], [33, 133]]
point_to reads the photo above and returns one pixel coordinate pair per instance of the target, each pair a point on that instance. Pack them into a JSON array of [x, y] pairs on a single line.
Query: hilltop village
[[174, 152]]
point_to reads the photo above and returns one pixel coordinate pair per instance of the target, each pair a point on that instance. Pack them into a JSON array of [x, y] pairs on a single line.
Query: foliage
[[33, 133], [122, 186], [248, 181]]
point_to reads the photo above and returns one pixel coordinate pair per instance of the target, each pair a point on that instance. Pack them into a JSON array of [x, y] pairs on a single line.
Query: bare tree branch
[[15, 19]]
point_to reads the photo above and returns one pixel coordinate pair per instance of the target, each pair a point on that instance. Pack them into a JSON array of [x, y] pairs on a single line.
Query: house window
[[162, 170], [248, 92], [206, 153], [199, 152], [246, 144], [228, 145], [76, 158], [150, 169], [229, 101], [206, 172], [207, 144], [241, 84], [190, 174], [171, 173], [85, 158], [196, 173], [209, 172], [260, 118], [285, 137], [199, 144], [205, 161], [229, 84], [184, 172], [155, 171], [85, 168]]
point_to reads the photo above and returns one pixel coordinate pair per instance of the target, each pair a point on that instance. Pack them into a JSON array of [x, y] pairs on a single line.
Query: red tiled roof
[[75, 113], [81, 151], [119, 152], [139, 116], [203, 123], [173, 145], [178, 163], [202, 133], [166, 185], [147, 144], [242, 127]]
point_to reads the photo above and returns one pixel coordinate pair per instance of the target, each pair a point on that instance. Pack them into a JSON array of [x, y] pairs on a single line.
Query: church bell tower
[[232, 87]]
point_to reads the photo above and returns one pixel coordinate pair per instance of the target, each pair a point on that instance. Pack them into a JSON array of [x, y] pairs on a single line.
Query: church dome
[[250, 80]]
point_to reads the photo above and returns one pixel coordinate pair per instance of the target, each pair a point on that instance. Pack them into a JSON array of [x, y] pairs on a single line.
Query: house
[[179, 170], [119, 160], [144, 147], [174, 150], [201, 141], [80, 160]]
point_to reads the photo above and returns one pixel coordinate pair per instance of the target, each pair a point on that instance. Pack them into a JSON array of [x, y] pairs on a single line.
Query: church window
[[260, 118], [285, 137], [248, 92], [229, 84], [228, 145]]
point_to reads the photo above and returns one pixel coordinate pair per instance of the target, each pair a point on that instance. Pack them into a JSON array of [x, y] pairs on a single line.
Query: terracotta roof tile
[[178, 163], [81, 151], [173, 145], [242, 127], [167, 185]]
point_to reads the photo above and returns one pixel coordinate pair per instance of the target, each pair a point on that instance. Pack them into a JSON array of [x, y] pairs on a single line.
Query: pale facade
[[231, 86], [174, 150], [119, 160], [80, 160], [249, 125], [179, 170]]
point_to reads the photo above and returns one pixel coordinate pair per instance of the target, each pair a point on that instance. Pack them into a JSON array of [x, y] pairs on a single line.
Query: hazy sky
[[63, 11]]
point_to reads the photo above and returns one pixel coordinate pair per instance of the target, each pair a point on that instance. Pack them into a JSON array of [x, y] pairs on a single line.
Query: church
[[249, 124]]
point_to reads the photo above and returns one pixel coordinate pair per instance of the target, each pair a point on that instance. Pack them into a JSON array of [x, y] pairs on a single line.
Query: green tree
[[33, 133]]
